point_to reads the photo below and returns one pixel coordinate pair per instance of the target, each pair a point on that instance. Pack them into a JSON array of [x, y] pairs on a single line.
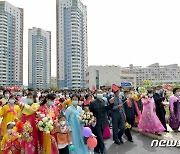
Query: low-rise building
[[158, 74], [100, 76]]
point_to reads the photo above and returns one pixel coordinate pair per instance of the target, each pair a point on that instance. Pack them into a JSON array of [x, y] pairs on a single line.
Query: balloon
[[71, 147], [86, 132], [92, 142], [19, 126]]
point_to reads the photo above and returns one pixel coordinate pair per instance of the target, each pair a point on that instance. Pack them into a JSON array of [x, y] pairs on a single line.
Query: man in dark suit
[[118, 116], [131, 113], [99, 109], [160, 111]]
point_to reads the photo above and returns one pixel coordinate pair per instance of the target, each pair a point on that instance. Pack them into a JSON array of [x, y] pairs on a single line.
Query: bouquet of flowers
[[143, 92], [87, 118], [45, 125], [1, 120], [27, 129], [127, 125]]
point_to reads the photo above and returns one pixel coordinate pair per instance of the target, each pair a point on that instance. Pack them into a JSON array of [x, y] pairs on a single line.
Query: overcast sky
[[120, 32]]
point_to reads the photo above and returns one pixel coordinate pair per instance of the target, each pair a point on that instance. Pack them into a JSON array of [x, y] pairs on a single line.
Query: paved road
[[141, 145]]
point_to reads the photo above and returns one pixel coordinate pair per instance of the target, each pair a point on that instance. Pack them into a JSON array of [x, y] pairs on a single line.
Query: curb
[[153, 136], [148, 134]]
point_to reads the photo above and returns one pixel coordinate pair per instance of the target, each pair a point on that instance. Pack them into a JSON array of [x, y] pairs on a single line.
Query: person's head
[[30, 90], [127, 94], [1, 92], [104, 94], [30, 98], [117, 93], [99, 94], [41, 99], [82, 94], [158, 89], [6, 93], [61, 100], [19, 93], [43, 95], [176, 91], [150, 93], [62, 120], [67, 95], [10, 126], [75, 99], [12, 100], [88, 97], [49, 100]]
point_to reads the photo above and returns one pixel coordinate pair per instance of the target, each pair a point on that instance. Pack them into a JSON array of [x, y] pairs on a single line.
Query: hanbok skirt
[[107, 133]]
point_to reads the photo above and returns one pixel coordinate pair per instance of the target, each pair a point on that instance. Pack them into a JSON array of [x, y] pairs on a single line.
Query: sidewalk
[[166, 136]]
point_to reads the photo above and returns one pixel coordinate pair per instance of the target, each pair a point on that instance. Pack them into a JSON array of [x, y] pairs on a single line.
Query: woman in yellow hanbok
[[9, 113], [48, 141]]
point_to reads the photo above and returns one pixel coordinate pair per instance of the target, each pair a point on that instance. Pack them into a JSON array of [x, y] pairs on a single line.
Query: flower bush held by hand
[[45, 125], [87, 118]]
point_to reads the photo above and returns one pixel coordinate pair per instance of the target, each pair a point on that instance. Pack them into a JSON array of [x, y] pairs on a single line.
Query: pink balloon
[[92, 142]]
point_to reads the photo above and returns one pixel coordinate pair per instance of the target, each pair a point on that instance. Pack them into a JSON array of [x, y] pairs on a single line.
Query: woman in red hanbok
[[30, 141]]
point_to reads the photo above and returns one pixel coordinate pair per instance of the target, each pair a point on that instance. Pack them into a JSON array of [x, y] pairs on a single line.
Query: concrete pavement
[[141, 145], [167, 136]]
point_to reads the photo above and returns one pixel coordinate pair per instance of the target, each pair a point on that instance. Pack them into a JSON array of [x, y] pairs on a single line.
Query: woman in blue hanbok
[[72, 114]]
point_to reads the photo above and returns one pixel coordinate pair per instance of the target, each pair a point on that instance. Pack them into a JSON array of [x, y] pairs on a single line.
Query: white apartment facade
[[167, 74], [11, 45], [39, 59], [99, 76], [72, 52]]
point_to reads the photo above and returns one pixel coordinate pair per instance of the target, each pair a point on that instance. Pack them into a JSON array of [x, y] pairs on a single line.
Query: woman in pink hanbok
[[149, 121]]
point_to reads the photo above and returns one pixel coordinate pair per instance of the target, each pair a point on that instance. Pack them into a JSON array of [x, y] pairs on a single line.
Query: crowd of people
[[50, 122]]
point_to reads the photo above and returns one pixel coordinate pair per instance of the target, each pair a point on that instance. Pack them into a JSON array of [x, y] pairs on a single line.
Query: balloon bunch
[[92, 141]]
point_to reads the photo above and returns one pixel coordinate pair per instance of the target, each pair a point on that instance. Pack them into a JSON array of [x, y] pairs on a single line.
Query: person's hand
[[162, 104], [172, 112], [59, 105], [111, 101], [166, 105], [16, 120], [63, 110], [120, 106], [166, 96], [94, 135], [124, 116], [55, 122], [17, 103]]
